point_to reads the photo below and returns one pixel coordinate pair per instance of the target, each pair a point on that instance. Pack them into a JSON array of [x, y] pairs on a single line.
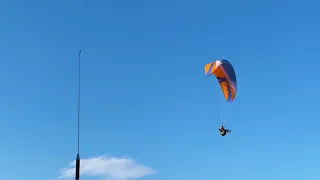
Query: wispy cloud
[[108, 167]]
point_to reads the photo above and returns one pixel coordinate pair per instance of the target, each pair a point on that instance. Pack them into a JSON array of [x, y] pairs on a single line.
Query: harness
[[223, 132]]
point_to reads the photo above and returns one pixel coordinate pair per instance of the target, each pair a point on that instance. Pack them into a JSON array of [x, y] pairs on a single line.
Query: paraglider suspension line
[[222, 110]]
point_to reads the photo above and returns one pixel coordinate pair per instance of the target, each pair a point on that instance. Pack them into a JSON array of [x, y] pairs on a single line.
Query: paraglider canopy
[[226, 76]]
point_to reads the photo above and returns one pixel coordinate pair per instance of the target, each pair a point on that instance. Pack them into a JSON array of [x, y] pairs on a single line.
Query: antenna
[[78, 154], [79, 104]]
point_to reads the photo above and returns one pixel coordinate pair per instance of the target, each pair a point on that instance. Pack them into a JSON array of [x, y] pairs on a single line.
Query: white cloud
[[108, 167]]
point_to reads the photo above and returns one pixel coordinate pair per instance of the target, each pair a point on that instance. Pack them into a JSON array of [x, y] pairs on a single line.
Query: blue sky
[[144, 92]]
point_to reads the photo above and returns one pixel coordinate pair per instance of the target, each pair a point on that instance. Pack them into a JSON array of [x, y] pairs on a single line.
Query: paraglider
[[226, 76], [223, 131]]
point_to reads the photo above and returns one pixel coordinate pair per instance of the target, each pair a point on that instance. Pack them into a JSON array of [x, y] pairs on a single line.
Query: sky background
[[144, 93]]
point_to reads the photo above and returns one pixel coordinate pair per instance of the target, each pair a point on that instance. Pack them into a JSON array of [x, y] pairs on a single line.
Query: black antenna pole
[[78, 155]]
